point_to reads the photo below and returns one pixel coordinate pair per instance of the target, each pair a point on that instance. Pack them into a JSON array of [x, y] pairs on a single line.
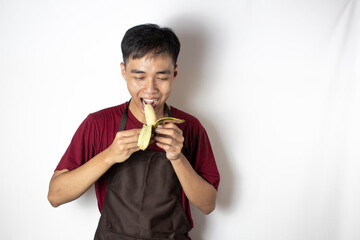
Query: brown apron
[[143, 199]]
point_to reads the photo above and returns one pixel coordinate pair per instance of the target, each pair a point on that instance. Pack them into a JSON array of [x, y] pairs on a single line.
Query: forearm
[[66, 186], [199, 192]]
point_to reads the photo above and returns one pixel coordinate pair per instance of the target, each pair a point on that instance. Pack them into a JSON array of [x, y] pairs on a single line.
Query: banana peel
[[151, 124]]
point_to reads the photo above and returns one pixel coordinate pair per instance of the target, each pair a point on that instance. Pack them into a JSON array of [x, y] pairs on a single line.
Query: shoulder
[[107, 115], [110, 112], [191, 122], [177, 113], [105, 118]]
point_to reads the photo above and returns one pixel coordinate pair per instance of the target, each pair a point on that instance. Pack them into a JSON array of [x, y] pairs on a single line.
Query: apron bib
[[143, 199]]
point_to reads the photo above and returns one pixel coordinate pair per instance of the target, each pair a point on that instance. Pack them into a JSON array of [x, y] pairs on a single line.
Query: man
[[141, 194]]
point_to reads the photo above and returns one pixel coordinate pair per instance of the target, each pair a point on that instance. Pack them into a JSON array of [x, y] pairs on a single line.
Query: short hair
[[145, 39]]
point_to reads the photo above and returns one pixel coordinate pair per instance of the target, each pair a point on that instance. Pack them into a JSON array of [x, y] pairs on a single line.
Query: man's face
[[149, 81]]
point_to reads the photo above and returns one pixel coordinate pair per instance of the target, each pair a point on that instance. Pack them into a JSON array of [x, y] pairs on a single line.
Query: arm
[[66, 186], [199, 192]]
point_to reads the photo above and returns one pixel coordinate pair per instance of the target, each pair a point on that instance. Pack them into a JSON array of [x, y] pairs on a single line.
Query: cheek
[[133, 86], [166, 88]]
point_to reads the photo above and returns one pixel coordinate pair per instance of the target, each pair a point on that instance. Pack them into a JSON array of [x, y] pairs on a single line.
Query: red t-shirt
[[98, 130]]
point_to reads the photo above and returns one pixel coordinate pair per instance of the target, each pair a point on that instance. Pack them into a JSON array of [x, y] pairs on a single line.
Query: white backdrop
[[275, 83]]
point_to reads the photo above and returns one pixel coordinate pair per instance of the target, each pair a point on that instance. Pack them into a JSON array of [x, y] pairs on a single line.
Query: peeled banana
[[150, 126], [149, 115]]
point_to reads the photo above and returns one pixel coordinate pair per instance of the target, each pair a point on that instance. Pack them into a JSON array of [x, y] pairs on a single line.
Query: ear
[[123, 70], [175, 71]]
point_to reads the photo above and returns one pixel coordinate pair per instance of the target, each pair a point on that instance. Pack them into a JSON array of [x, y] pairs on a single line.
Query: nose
[[150, 86]]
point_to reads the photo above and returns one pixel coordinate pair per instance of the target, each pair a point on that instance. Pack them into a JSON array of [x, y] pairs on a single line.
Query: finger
[[168, 148], [169, 125], [169, 141], [164, 146], [124, 143], [131, 146], [132, 139], [129, 133], [134, 149], [123, 147], [168, 131], [131, 149], [128, 137]]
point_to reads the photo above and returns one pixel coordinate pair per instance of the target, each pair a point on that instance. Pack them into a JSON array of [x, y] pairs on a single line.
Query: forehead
[[151, 61]]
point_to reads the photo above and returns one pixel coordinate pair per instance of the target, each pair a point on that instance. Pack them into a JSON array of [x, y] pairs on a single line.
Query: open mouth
[[152, 102]]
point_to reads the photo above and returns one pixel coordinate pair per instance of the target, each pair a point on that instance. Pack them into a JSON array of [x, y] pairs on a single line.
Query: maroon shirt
[[98, 130]]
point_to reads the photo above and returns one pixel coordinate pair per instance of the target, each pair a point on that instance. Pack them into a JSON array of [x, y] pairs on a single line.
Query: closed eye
[[139, 78]]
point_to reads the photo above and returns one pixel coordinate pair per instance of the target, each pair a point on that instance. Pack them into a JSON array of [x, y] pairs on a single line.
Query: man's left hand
[[170, 138]]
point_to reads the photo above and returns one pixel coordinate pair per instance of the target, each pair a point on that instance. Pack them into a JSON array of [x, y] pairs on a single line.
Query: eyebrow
[[164, 72], [159, 72], [136, 71]]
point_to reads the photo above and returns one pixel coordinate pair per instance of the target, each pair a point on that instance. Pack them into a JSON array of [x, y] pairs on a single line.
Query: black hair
[[145, 39]]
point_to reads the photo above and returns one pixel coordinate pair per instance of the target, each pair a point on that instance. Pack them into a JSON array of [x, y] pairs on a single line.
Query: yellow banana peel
[[151, 124]]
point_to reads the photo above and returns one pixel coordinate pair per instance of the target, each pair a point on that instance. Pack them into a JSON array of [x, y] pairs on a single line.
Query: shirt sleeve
[[204, 163], [82, 146]]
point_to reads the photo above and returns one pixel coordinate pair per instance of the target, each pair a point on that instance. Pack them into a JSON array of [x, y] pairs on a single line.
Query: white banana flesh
[[150, 126]]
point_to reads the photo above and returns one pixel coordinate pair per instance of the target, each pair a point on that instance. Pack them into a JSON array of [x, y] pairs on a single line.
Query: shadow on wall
[[190, 78], [194, 35]]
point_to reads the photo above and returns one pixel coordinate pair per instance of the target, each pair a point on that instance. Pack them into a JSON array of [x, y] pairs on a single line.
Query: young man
[[141, 194]]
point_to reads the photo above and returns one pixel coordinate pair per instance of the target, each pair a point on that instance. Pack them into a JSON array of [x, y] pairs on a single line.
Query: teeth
[[150, 101]]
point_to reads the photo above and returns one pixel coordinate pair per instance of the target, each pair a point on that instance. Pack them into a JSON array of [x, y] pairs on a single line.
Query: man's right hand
[[124, 144], [66, 185]]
